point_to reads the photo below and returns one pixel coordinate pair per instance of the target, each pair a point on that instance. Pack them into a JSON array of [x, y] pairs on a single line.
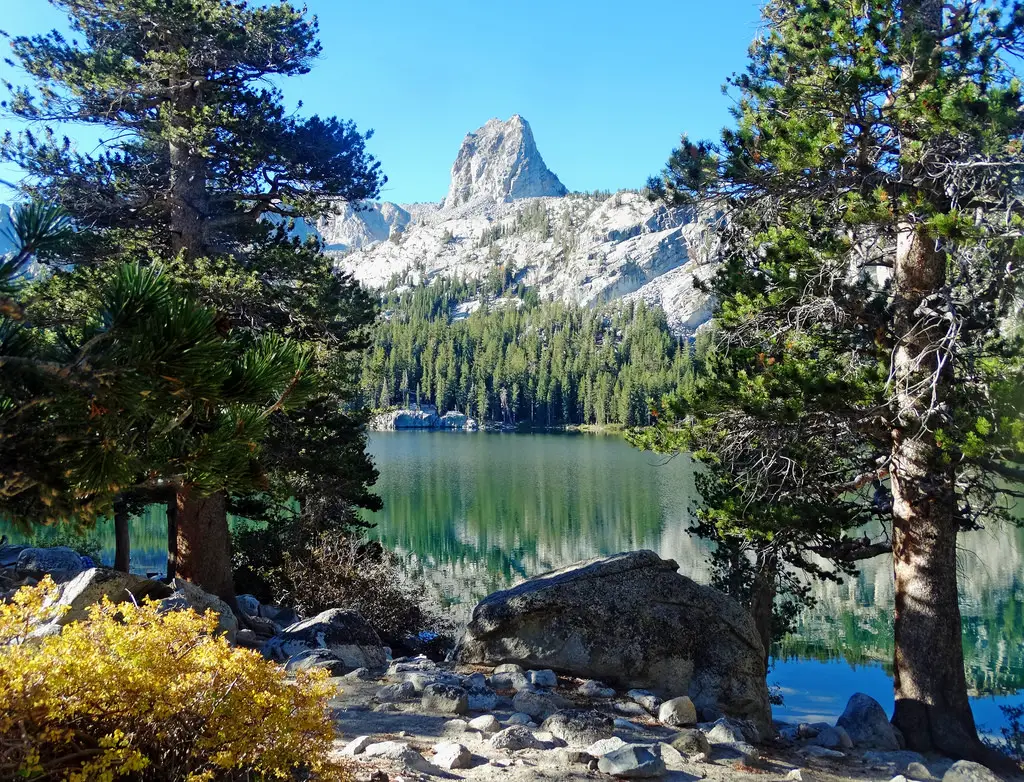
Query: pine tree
[[870, 248], [206, 172]]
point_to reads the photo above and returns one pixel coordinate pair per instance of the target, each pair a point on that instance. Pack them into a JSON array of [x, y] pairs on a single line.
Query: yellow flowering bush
[[133, 694]]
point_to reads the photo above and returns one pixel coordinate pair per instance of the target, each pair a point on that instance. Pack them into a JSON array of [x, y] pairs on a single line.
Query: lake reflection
[[477, 512]]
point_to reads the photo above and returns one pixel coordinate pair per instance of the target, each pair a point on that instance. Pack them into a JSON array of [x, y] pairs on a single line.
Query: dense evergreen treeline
[[522, 361]]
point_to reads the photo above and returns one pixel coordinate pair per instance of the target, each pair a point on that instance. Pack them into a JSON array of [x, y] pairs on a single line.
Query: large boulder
[[866, 722], [94, 584], [60, 562], [633, 621], [345, 633]]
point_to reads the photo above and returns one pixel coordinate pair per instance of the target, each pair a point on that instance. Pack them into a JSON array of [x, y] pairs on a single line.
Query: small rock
[[604, 746], [671, 756], [969, 771], [898, 759], [807, 730], [867, 724], [60, 562], [511, 680], [420, 664], [570, 756], [814, 751], [249, 604], [499, 762], [691, 742], [595, 689], [455, 727], [678, 712], [548, 739], [626, 724], [898, 778], [795, 776], [486, 724], [833, 738], [508, 668], [452, 756], [725, 732], [445, 698], [395, 693], [356, 746], [314, 659], [481, 698], [918, 771], [579, 728], [647, 699], [747, 754], [633, 761], [474, 681], [630, 709], [513, 738], [537, 704], [545, 678], [519, 718], [247, 639], [418, 681], [376, 775], [362, 674], [789, 733], [401, 752]]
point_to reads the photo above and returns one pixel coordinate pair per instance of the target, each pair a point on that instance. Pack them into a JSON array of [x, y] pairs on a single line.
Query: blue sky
[[607, 86]]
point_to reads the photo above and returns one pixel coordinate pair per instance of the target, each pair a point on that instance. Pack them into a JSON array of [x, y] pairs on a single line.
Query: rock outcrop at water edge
[[631, 620]]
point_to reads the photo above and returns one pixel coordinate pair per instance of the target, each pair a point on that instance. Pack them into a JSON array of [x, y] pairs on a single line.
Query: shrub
[[133, 694]]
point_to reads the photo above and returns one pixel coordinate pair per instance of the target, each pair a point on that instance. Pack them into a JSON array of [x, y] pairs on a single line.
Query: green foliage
[[552, 363], [852, 129], [205, 174]]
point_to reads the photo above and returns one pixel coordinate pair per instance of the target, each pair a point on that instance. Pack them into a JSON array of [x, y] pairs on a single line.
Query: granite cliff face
[[500, 163], [506, 208]]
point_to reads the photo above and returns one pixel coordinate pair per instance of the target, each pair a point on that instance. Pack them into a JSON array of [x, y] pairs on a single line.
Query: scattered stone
[[419, 664], [790, 733], [545, 678], [604, 746], [363, 674], [918, 771], [512, 680], [452, 756], [455, 727], [633, 761], [445, 698], [679, 712], [571, 756], [499, 762], [595, 689], [418, 681], [833, 738], [519, 718], [579, 728], [898, 778], [345, 633], [395, 693], [482, 698], [247, 639], [725, 732], [548, 739], [187, 595], [814, 751], [486, 724], [865, 721], [401, 752], [807, 730], [969, 771], [356, 746], [475, 681], [795, 776], [60, 562], [630, 709], [249, 604], [578, 619], [311, 659], [515, 737], [646, 699], [691, 742], [672, 757], [537, 704], [376, 775]]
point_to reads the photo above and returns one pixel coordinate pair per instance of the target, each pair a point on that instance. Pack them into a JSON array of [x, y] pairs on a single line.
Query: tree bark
[[762, 601], [172, 537], [204, 542], [188, 199], [122, 537]]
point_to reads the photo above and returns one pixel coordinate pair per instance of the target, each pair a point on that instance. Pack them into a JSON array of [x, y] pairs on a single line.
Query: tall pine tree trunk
[[762, 600], [932, 709], [204, 542], [122, 537]]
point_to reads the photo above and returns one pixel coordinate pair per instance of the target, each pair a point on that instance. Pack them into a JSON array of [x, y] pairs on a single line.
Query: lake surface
[[474, 512]]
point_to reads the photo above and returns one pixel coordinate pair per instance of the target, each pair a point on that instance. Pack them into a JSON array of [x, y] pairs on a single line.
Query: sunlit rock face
[[500, 162], [505, 208]]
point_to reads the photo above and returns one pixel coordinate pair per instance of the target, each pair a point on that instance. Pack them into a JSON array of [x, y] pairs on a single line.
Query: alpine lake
[[470, 513]]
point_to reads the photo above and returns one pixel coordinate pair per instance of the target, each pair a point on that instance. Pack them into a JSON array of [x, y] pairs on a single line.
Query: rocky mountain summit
[[505, 209]]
